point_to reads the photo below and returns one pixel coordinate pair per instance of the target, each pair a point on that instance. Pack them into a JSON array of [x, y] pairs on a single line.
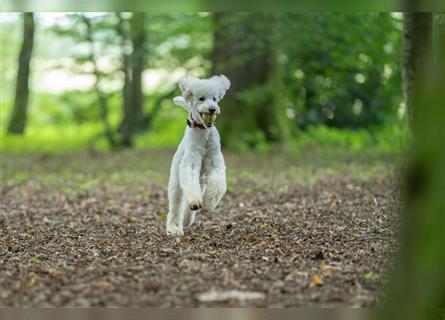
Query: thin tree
[[17, 122], [101, 96]]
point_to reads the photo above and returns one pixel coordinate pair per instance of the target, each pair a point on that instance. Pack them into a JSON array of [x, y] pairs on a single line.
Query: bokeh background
[[105, 80]]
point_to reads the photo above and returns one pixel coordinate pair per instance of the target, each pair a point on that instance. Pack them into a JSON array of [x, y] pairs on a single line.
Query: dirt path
[[89, 231]]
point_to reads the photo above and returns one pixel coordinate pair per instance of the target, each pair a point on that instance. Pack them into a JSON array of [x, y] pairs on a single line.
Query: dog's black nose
[[212, 110]]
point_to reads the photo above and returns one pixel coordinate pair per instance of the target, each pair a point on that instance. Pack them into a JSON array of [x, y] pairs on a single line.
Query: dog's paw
[[174, 230], [195, 205]]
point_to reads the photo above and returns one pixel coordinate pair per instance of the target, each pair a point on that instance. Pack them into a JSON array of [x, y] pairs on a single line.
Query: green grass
[[391, 138], [51, 139], [167, 133]]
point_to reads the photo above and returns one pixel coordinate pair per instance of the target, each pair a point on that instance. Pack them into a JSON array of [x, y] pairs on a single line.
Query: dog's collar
[[193, 124]]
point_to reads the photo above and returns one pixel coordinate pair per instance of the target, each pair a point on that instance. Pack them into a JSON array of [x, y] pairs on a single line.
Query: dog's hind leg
[[176, 207], [215, 189], [216, 186], [175, 215]]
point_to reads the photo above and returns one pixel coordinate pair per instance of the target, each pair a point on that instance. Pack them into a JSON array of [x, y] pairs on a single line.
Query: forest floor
[[88, 230]]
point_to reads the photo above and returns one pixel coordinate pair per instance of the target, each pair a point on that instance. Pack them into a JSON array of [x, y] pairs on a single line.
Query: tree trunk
[[18, 118], [101, 96], [138, 40], [133, 66], [418, 278], [417, 45], [245, 51]]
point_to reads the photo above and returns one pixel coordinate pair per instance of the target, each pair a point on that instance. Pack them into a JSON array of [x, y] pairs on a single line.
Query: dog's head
[[203, 96]]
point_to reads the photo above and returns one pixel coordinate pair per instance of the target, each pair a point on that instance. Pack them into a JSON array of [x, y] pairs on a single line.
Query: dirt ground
[[88, 230]]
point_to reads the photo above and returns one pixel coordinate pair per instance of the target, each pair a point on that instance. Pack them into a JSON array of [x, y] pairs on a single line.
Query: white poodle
[[198, 172]]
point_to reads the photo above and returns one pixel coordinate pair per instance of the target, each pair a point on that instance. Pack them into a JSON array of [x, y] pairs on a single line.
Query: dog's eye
[[202, 99], [214, 99]]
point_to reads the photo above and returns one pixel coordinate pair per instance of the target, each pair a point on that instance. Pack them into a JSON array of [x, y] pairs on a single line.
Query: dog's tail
[[180, 101]]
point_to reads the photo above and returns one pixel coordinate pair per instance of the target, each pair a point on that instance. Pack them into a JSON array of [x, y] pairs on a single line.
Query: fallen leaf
[[58, 274], [326, 270], [316, 281], [103, 284], [184, 239], [334, 204], [32, 281]]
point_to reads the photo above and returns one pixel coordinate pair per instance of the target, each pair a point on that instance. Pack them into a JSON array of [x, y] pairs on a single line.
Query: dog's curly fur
[[198, 171]]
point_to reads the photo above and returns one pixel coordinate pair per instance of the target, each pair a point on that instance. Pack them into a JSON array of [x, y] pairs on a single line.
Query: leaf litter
[[287, 236]]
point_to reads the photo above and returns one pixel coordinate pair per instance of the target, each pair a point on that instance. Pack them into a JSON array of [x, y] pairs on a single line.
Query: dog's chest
[[203, 141]]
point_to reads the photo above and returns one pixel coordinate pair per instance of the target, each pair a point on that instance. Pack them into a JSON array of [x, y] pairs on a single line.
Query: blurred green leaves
[[158, 6], [342, 78], [339, 71]]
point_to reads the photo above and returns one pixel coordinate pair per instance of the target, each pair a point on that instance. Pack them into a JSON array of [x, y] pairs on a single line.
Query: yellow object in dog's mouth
[[208, 118]]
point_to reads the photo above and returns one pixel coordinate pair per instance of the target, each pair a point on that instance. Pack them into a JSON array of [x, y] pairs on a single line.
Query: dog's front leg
[[189, 171]]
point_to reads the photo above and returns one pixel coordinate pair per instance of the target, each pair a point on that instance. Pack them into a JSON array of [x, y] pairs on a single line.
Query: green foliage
[[81, 105], [179, 39], [339, 70], [342, 69]]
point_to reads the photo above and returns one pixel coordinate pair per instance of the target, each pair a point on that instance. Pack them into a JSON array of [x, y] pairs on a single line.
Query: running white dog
[[198, 172]]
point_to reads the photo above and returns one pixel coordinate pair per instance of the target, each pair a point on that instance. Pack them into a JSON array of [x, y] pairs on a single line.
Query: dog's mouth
[[209, 118]]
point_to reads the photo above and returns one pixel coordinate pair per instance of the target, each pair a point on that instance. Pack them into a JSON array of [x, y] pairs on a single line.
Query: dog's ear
[[185, 84], [223, 85]]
